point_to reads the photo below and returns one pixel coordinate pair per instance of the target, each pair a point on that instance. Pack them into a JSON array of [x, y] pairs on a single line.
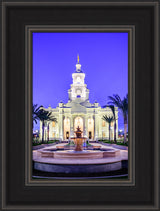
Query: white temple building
[[78, 111]]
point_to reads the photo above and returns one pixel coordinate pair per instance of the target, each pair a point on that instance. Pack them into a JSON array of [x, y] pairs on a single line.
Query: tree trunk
[[115, 141], [48, 133], [42, 131], [125, 129], [109, 132]]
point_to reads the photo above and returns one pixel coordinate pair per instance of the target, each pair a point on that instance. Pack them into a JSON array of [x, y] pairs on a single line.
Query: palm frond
[[108, 119], [115, 100], [121, 104], [113, 110]]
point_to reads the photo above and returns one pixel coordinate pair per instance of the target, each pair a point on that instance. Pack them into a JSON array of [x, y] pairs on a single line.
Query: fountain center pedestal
[[78, 140]]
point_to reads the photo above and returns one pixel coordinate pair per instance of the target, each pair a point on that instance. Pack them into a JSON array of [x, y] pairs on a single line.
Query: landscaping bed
[[119, 142]]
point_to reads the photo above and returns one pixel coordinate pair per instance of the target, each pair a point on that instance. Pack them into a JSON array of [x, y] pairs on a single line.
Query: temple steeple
[[78, 58], [78, 87], [78, 66]]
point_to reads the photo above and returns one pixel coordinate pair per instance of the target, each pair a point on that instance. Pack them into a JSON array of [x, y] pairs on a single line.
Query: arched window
[[78, 80], [78, 122], [90, 128], [66, 128]]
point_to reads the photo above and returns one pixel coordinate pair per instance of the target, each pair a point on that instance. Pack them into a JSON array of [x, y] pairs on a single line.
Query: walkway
[[115, 146]]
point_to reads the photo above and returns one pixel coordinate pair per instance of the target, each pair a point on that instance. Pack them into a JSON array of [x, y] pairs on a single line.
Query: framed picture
[[101, 149], [80, 105]]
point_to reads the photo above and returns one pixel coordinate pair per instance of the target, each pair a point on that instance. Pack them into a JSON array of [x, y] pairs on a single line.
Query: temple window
[[78, 80], [103, 123]]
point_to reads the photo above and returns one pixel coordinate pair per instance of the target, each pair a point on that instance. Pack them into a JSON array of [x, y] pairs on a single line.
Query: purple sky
[[104, 60]]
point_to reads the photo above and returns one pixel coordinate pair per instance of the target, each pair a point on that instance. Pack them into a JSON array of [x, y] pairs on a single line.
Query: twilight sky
[[104, 60]]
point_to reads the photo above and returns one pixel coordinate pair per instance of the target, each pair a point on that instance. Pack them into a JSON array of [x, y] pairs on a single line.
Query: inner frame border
[[29, 29]]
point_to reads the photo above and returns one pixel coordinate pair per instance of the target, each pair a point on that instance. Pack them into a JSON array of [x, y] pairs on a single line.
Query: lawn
[[119, 142]]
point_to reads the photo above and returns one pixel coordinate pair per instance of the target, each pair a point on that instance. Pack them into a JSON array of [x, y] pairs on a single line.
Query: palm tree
[[112, 107], [109, 120], [114, 116], [48, 132], [35, 113], [123, 106], [45, 116]]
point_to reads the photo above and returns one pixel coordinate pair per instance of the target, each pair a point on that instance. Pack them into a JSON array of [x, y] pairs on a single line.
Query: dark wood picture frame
[[130, 29], [18, 192]]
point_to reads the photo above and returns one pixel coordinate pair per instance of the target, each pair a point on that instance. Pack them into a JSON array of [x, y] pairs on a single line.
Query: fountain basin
[[88, 154], [77, 168], [106, 159], [60, 147]]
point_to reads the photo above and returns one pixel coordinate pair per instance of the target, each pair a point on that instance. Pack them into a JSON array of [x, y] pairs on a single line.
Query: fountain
[[78, 140], [78, 152], [78, 161]]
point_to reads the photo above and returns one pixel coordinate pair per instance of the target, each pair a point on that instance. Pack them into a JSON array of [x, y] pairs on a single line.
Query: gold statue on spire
[[78, 58]]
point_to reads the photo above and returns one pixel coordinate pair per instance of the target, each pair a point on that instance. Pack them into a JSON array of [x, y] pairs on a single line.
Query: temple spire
[[78, 58]]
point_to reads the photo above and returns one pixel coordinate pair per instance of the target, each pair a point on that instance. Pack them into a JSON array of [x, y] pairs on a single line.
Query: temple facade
[[78, 111]]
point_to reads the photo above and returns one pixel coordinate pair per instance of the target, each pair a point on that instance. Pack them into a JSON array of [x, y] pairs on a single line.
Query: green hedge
[[119, 142], [34, 143]]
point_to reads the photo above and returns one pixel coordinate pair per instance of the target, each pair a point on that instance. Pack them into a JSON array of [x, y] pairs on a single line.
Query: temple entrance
[[78, 122], [90, 128], [90, 134], [66, 128]]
